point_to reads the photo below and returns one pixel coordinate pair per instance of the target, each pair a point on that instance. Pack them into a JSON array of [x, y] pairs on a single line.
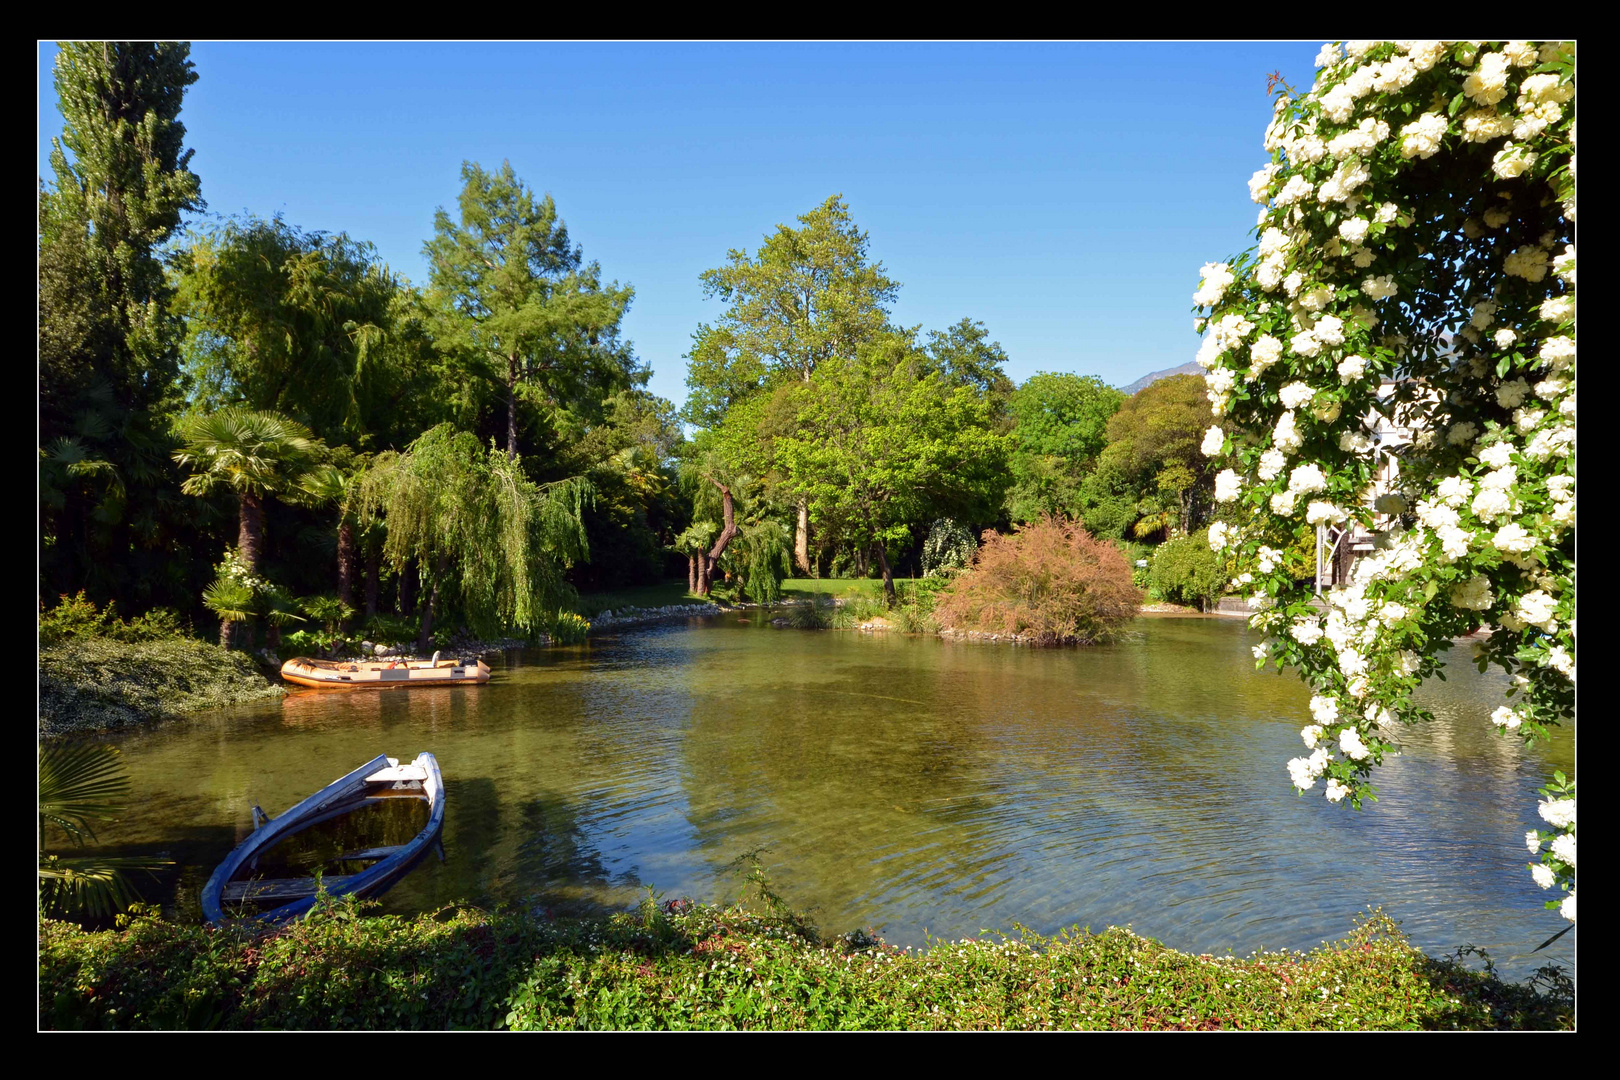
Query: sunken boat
[[276, 873]]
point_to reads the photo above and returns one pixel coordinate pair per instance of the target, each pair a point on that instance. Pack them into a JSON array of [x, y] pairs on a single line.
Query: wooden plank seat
[[278, 889], [396, 773]]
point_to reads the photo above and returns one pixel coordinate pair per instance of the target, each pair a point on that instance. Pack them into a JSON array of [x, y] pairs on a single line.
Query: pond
[[922, 788]]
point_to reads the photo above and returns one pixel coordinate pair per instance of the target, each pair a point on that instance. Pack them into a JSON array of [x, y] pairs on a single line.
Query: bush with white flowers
[[1415, 270]]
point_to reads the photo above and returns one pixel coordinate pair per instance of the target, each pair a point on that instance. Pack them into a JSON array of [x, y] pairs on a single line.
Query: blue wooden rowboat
[[378, 780]]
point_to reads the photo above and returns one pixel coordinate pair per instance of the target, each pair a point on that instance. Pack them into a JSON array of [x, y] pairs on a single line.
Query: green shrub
[[1186, 571], [811, 616], [78, 617], [1050, 580], [680, 965], [97, 684], [949, 546]]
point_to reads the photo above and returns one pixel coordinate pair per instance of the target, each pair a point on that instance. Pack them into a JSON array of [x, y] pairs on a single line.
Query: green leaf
[[1502, 366], [1456, 103]]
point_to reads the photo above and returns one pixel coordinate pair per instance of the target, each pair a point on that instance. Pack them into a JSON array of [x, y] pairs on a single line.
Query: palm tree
[[327, 485], [255, 454], [78, 782]]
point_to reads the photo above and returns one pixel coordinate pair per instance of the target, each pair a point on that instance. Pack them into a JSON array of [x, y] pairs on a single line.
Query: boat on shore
[[379, 787], [383, 674]]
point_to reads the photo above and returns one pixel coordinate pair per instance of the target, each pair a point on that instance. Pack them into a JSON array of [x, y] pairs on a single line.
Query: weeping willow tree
[[488, 541]]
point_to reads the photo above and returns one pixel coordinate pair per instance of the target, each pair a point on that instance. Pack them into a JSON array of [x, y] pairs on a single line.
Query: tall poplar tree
[[107, 341], [519, 298]]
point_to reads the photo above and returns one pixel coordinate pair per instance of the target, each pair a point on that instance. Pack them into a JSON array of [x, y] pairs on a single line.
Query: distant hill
[[1189, 368]]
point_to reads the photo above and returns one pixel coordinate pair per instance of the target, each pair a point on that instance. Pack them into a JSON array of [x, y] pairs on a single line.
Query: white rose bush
[[1415, 266]]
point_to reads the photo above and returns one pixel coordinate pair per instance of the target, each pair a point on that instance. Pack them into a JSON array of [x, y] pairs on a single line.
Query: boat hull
[[377, 779], [382, 675]]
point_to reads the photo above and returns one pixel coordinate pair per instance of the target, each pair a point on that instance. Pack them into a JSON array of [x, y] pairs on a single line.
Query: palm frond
[[77, 782], [229, 599], [92, 884]]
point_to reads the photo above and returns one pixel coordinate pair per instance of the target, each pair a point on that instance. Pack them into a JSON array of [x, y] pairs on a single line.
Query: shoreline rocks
[[631, 616]]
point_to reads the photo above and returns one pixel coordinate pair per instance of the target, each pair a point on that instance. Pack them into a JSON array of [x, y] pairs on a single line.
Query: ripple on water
[[904, 783]]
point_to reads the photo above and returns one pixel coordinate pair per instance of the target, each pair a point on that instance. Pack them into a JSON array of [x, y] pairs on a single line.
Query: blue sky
[[1064, 194]]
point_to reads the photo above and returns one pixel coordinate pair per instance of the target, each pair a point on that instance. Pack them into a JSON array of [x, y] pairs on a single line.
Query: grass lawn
[[806, 588], [674, 592]]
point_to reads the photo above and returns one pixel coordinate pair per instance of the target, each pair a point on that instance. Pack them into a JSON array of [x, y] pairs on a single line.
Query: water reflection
[[903, 783]]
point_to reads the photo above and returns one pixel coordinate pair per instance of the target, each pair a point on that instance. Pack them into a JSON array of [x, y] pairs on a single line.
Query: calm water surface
[[916, 786]]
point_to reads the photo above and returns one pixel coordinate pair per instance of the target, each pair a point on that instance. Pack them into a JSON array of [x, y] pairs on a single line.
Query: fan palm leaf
[[78, 782], [245, 450], [229, 599]]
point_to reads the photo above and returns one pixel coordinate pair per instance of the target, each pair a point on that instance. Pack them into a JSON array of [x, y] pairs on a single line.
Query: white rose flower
[[1473, 594], [1217, 536], [1306, 631], [1528, 262], [1496, 455], [1214, 439], [1335, 791], [1557, 812], [1558, 309], [1567, 908], [1350, 742], [1511, 394], [1306, 478], [1286, 436], [1260, 182], [1324, 513], [1227, 486], [1271, 464], [1282, 503], [1380, 288], [1543, 875], [1324, 710], [1563, 848], [1421, 138], [1295, 394], [1532, 840], [1351, 368]]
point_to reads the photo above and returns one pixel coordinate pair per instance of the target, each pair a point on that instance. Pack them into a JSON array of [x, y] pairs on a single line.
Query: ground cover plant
[[1050, 580], [98, 672], [680, 965]]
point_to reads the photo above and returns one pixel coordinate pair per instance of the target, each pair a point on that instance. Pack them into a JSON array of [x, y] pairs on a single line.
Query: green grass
[[810, 588], [680, 965], [663, 594]]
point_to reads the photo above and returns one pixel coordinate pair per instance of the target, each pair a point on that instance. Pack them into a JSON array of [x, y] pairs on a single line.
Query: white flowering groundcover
[[1415, 265]]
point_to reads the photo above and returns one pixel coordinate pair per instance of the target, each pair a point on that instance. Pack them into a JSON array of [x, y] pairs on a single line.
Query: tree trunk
[[250, 529], [226, 634], [373, 572], [346, 563], [407, 590], [888, 575], [691, 573], [729, 512], [702, 574], [801, 538], [425, 635], [511, 405]]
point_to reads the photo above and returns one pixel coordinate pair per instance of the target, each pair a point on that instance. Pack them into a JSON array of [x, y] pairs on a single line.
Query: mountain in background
[[1189, 368]]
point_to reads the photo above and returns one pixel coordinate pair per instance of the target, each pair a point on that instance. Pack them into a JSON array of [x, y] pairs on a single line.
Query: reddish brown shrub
[[1051, 579]]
